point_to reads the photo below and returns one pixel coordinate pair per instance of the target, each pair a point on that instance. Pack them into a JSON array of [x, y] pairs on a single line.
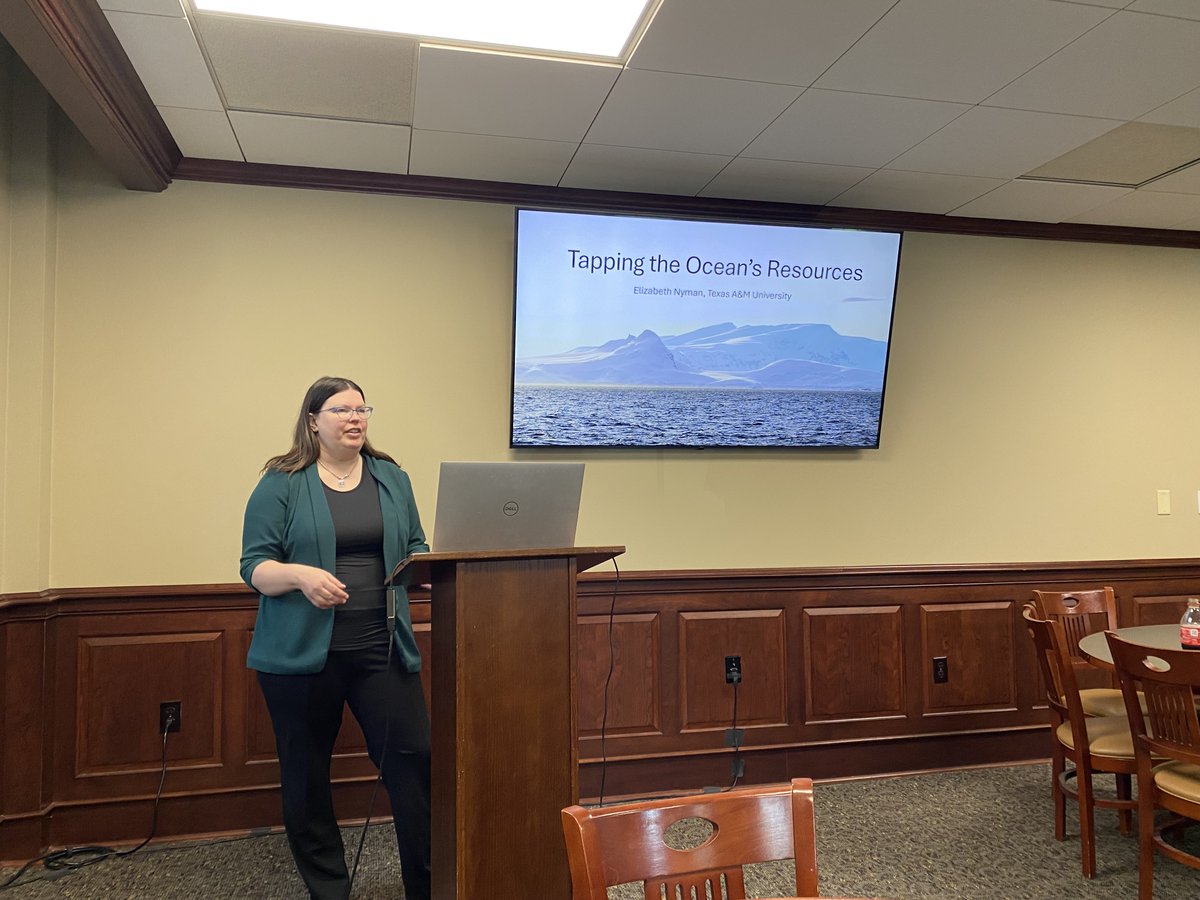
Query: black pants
[[306, 712]]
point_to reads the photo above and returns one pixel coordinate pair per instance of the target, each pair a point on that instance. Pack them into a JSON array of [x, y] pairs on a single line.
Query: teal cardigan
[[288, 520]]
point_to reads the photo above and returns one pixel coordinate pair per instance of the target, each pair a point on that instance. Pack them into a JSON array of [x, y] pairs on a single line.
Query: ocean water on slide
[[587, 416]]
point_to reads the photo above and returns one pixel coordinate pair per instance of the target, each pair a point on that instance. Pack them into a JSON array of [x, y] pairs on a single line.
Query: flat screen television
[[641, 331]]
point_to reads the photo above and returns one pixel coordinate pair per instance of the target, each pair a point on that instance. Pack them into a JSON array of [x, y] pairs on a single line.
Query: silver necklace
[[340, 478]]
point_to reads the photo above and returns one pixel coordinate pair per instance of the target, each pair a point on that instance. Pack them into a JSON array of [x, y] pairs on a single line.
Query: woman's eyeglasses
[[345, 412]]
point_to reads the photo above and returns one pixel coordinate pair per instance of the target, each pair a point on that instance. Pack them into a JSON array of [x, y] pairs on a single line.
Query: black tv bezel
[[673, 216]]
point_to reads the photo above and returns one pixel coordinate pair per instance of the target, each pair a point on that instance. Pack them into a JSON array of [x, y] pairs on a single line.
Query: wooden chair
[[1095, 744], [1082, 613], [1167, 746], [628, 842]]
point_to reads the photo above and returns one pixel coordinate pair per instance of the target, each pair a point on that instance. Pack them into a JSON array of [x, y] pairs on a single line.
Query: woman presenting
[[327, 522]]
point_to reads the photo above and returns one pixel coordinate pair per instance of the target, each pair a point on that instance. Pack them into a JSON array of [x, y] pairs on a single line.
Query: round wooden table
[[1095, 646]]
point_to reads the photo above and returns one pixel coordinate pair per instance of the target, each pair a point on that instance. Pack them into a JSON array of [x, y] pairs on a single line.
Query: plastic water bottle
[[1189, 626]]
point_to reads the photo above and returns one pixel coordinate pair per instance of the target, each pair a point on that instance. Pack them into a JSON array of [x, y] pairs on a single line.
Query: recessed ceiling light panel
[[594, 28]]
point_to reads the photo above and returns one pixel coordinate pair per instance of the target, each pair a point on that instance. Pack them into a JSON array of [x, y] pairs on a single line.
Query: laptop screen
[[507, 505]]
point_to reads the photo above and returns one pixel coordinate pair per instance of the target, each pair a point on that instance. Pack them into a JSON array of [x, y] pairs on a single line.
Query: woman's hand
[[321, 589]]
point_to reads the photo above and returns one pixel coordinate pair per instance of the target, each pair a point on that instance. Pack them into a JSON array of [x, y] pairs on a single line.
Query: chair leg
[[1057, 767], [1125, 792], [1145, 839], [1087, 821]]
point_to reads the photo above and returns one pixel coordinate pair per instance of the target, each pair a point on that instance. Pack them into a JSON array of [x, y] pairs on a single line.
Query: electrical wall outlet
[[733, 669], [170, 716], [941, 670]]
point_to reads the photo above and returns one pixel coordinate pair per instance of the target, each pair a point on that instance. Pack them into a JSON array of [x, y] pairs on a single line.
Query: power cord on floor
[[71, 858]]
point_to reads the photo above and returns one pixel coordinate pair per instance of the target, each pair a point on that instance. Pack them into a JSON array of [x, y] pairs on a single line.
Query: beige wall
[[28, 245], [1039, 392], [6, 122]]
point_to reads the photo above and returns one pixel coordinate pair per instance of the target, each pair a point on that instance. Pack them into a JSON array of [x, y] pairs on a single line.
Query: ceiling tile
[[1128, 155], [1183, 110], [958, 50], [915, 191], [322, 143], [1143, 209], [979, 142], [147, 7], [692, 113], [309, 70], [777, 41], [488, 158], [779, 181], [647, 171], [851, 129], [1189, 225], [925, 105], [202, 133], [1123, 68], [1185, 181], [505, 94], [1039, 201], [1183, 9], [167, 58]]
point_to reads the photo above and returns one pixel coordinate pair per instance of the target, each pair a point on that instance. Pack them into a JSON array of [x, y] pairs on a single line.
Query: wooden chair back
[[1165, 723], [1058, 674], [629, 842], [1080, 612]]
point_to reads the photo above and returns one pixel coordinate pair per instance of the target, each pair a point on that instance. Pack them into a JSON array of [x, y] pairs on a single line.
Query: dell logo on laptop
[[511, 508]]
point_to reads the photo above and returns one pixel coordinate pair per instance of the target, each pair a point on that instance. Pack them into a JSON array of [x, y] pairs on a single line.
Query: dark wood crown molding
[[232, 172], [71, 49]]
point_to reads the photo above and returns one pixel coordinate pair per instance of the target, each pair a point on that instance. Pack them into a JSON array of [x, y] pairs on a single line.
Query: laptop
[[507, 505]]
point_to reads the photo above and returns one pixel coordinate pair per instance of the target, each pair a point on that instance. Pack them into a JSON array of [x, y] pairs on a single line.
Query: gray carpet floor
[[984, 834]]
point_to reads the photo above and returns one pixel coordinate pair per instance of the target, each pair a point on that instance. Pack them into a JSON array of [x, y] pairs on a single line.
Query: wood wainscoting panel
[[758, 636], [25, 715], [629, 701], [117, 715], [853, 663], [978, 643], [837, 683], [121, 652], [1159, 610], [259, 735]]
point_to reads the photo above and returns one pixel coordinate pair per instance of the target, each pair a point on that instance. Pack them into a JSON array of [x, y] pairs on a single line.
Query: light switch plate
[[1164, 503]]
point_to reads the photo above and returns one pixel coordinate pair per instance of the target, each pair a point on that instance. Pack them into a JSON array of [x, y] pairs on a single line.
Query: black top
[[358, 523]]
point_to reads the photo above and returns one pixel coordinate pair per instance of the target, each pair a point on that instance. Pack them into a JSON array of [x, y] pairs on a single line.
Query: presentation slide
[[643, 331]]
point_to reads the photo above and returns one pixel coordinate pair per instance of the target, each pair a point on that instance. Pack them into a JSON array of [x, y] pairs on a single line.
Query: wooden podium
[[505, 758]]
